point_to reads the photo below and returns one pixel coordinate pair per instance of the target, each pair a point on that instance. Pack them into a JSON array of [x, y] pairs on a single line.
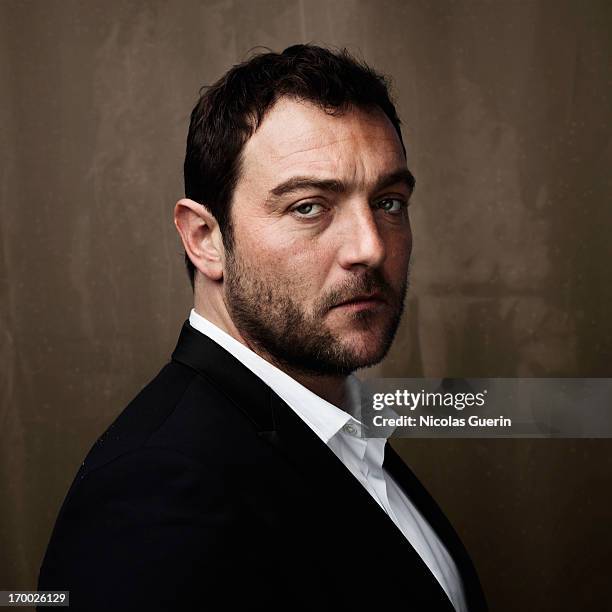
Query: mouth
[[362, 302]]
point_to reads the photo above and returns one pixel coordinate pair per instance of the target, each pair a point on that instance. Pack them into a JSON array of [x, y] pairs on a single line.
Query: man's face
[[319, 219]]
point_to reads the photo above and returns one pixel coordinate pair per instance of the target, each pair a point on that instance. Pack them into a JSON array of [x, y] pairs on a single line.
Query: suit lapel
[[336, 494], [349, 508], [430, 510]]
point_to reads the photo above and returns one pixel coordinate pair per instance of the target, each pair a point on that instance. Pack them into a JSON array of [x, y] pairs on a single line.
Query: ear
[[201, 237]]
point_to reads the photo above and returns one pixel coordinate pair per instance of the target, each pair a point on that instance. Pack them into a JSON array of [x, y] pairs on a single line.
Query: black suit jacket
[[208, 492]]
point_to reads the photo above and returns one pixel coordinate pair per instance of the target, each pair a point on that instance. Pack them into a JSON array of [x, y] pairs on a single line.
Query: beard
[[270, 318]]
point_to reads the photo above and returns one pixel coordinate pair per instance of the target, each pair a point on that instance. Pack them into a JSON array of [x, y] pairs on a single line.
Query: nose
[[361, 240]]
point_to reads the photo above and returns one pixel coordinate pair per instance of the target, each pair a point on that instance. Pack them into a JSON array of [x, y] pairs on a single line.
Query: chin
[[367, 342], [367, 353]]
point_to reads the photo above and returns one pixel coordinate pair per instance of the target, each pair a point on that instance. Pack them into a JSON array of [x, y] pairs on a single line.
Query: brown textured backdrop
[[506, 113]]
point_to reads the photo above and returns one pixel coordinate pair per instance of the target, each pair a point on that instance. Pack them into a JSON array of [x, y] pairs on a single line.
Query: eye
[[393, 206], [307, 210]]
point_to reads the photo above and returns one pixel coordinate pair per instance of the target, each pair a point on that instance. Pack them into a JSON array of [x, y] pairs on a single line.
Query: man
[[238, 476]]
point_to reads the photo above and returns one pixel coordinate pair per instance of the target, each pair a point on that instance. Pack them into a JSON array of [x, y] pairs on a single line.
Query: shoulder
[[137, 530], [158, 486], [180, 413], [178, 436]]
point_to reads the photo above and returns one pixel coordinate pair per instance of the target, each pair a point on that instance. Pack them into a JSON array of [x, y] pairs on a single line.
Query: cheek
[[398, 255], [293, 263], [305, 269]]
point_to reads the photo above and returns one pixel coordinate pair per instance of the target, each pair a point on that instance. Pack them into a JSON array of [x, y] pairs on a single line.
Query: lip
[[362, 302]]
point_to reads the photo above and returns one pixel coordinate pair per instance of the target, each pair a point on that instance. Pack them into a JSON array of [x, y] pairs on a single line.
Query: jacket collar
[[246, 390], [339, 497]]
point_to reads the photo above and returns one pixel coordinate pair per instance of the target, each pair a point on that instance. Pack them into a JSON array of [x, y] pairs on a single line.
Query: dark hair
[[230, 111]]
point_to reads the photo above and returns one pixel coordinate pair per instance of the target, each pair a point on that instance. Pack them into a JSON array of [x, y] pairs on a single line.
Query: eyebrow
[[297, 183]]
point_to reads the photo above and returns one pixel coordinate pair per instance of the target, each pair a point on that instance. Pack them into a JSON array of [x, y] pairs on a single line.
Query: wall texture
[[506, 114]]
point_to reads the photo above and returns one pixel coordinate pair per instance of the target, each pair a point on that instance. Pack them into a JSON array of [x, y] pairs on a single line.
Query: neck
[[330, 388]]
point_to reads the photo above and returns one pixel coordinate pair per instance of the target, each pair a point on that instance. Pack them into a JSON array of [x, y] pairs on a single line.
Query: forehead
[[297, 136]]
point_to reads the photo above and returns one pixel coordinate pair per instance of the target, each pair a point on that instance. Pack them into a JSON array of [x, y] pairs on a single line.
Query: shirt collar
[[325, 419]]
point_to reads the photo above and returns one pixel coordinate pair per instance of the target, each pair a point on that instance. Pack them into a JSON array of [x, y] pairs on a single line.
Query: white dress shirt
[[363, 457]]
